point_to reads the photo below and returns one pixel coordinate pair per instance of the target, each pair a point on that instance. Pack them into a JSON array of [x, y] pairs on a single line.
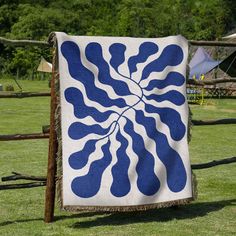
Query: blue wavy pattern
[[94, 54], [171, 118], [173, 78], [147, 181], [172, 55], [79, 72], [173, 96], [117, 51], [81, 110], [121, 184], [176, 173], [146, 49], [88, 185], [79, 159], [79, 130]]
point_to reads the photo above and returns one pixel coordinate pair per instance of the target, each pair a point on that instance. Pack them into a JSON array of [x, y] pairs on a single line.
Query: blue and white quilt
[[124, 120]]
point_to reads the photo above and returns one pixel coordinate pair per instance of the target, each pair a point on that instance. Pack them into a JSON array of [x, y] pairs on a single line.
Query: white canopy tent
[[230, 37], [44, 66]]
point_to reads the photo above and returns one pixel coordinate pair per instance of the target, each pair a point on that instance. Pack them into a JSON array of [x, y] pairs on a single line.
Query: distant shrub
[[5, 76], [9, 87]]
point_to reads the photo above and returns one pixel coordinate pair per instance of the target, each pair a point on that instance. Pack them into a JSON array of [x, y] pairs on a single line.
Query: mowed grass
[[22, 211]]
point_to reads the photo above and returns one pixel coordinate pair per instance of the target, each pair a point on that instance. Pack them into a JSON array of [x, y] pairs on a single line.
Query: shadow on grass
[[56, 218], [159, 215], [5, 223]]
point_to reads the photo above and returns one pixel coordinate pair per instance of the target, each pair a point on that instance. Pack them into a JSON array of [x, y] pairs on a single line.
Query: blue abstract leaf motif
[[121, 184], [176, 173], [117, 51], [173, 96], [148, 183], [172, 55], [94, 54], [88, 185], [104, 127], [79, 130], [173, 78], [171, 118], [81, 110], [79, 72], [79, 159], [146, 49]]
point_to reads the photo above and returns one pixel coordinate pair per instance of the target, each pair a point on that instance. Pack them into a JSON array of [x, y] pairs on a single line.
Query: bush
[[9, 87]]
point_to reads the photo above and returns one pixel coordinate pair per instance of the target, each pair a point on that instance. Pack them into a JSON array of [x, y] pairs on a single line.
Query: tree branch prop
[[42, 180], [17, 176], [46, 129], [20, 43], [210, 82], [213, 163], [24, 95], [214, 122], [25, 185], [212, 43], [23, 136]]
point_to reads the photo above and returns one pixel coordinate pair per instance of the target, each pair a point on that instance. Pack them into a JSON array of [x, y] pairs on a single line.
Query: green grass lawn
[[22, 211]]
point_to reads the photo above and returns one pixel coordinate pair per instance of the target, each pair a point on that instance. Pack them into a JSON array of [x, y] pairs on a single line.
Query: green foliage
[[9, 87], [36, 22], [28, 19], [210, 19], [8, 16], [136, 19]]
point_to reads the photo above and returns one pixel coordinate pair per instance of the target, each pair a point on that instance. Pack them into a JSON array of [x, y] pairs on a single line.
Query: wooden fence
[[49, 132]]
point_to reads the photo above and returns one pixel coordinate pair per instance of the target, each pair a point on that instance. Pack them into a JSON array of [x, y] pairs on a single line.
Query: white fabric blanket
[[124, 120]]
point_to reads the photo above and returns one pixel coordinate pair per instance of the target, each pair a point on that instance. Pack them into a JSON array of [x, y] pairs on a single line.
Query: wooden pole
[[210, 82], [24, 95], [53, 145], [213, 163], [12, 137], [25, 185], [46, 129], [20, 43], [215, 122], [17, 176], [212, 43]]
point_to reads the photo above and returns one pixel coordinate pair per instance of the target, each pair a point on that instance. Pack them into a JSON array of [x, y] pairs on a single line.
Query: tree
[[28, 19]]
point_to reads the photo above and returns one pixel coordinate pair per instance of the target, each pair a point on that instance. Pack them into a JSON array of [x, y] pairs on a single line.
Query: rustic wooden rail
[[13, 137], [212, 43], [18, 176], [41, 180], [210, 82], [24, 185], [20, 43], [214, 122], [24, 95], [213, 163], [219, 92]]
